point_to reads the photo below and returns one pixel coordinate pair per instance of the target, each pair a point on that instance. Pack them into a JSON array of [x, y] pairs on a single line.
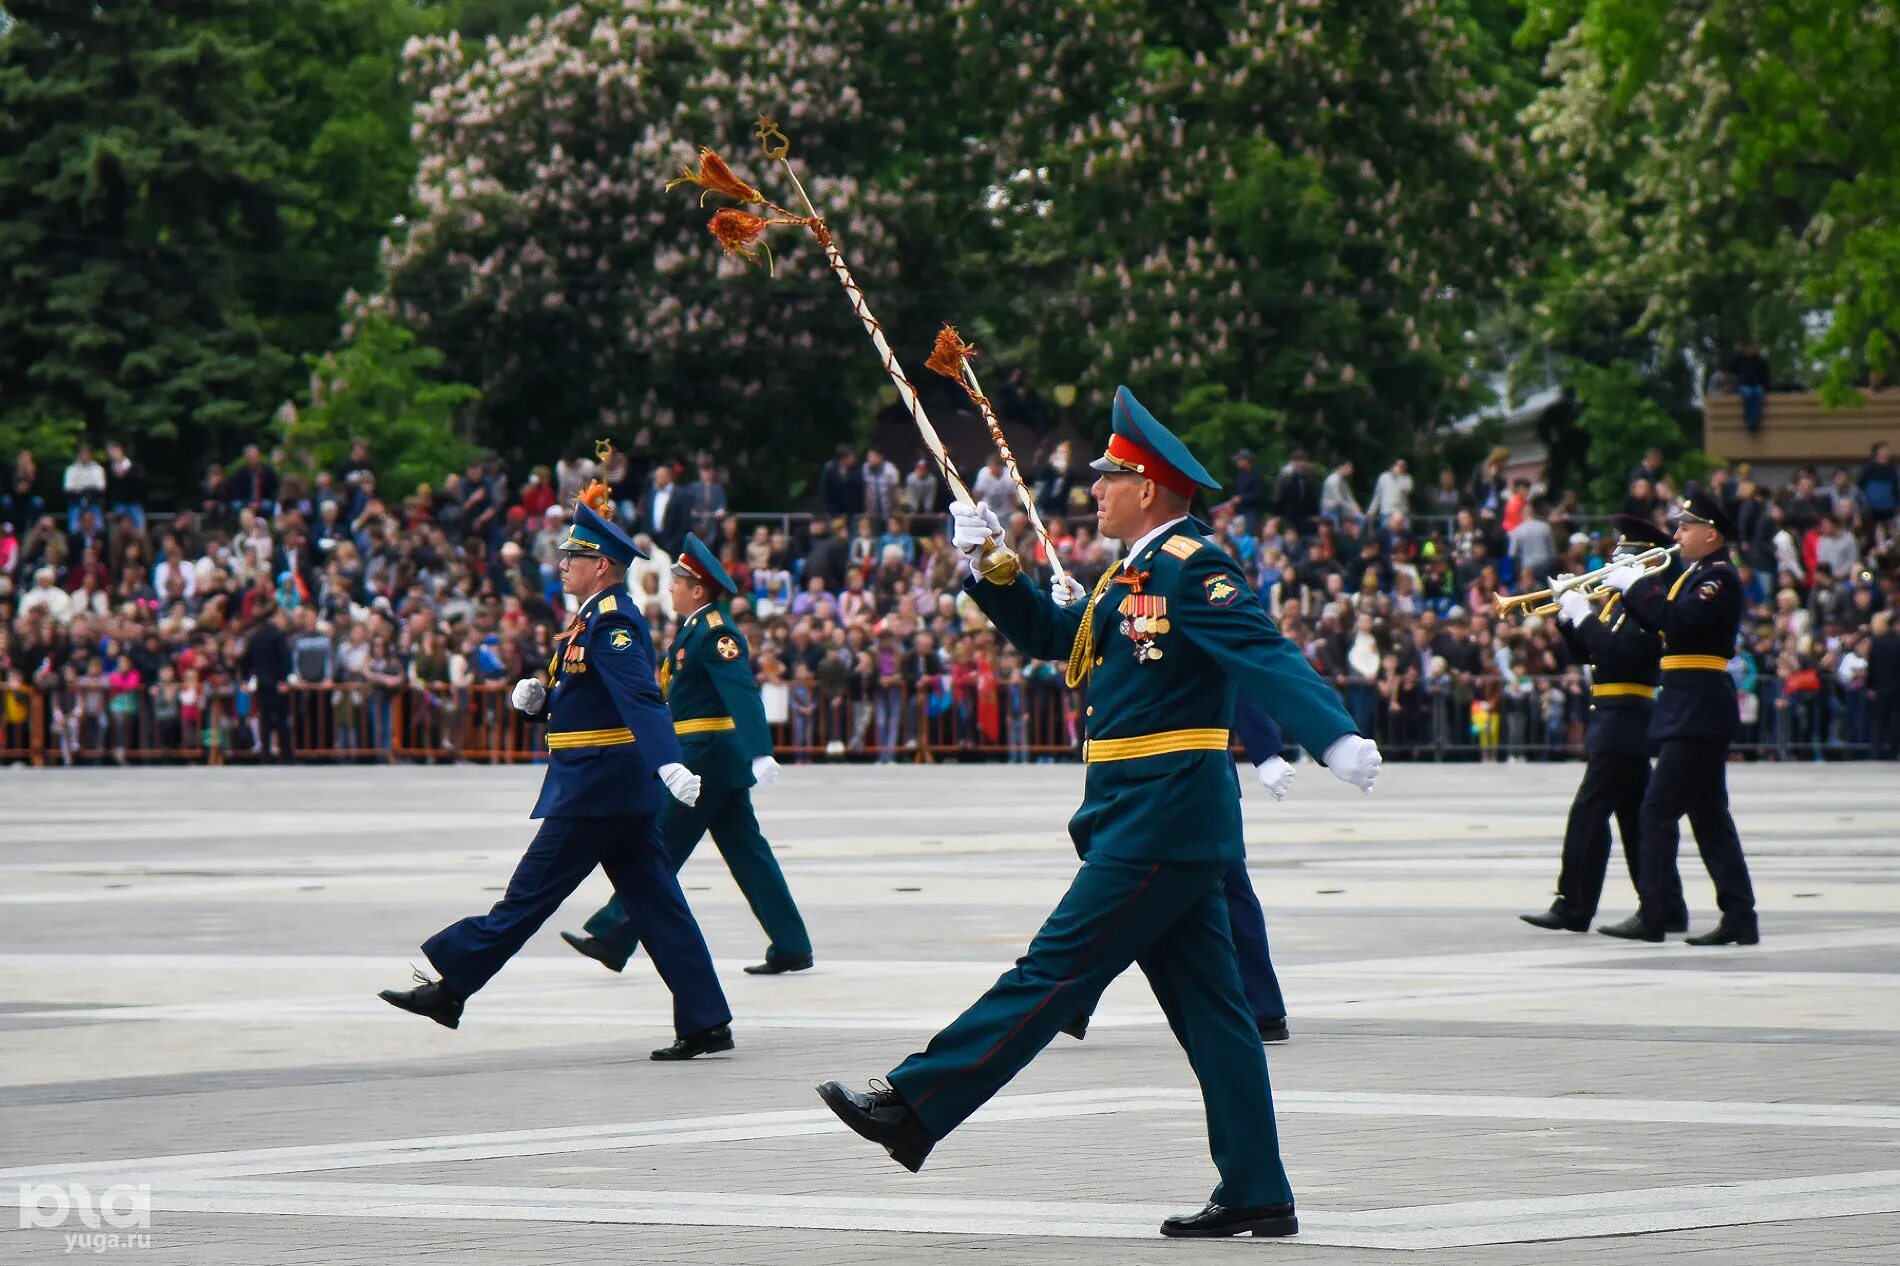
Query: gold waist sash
[[704, 725], [590, 738], [1095, 751], [1682, 663], [1623, 689]]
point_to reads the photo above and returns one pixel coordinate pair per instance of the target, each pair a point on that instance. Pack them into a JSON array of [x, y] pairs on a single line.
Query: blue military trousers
[[735, 830], [565, 851], [1171, 919]]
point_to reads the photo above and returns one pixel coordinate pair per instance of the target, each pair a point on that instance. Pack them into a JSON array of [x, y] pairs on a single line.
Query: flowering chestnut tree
[[1277, 218], [559, 277]]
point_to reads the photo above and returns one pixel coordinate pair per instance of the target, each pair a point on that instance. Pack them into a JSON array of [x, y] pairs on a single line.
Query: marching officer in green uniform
[[1624, 656], [1165, 640], [612, 758], [1698, 616], [717, 713]]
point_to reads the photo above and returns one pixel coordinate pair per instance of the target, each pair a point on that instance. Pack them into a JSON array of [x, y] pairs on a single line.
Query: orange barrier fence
[[358, 722], [1534, 718]]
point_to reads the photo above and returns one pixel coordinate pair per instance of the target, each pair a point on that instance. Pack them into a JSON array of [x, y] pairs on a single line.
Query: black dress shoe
[[431, 998], [779, 966], [597, 950], [1557, 919], [883, 1117], [1274, 1030], [1726, 934], [1076, 1027], [1678, 923], [1218, 1219], [705, 1042], [1632, 929]]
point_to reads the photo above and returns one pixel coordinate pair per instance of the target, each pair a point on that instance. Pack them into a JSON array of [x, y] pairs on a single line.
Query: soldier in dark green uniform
[[717, 713], [1164, 642]]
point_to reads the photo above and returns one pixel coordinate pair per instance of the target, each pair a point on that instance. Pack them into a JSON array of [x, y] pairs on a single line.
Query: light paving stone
[[188, 963]]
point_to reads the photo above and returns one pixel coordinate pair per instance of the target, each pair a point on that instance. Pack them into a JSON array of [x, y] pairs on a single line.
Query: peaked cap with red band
[[1140, 445], [697, 563]]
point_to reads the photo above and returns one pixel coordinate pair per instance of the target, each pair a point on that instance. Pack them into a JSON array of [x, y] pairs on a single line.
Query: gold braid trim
[[1082, 652]]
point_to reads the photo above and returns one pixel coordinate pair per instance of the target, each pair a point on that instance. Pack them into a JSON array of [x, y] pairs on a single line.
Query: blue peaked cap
[[1138, 443], [591, 534], [696, 562]]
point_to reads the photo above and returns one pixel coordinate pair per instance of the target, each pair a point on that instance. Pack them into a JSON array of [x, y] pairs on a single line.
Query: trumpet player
[[1698, 617], [1623, 656]]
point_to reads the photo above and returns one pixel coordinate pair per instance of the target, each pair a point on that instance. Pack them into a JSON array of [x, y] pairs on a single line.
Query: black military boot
[[1557, 919], [1076, 1027], [1218, 1219], [1634, 928], [1727, 933], [596, 949], [883, 1117], [431, 998], [779, 966], [705, 1042], [1274, 1030]]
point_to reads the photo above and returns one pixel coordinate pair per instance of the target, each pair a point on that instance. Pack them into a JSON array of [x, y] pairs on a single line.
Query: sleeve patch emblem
[[728, 649], [1707, 590], [621, 639], [1221, 590]]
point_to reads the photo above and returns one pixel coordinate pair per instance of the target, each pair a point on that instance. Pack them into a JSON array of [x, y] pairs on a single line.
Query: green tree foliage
[[1290, 209], [139, 191], [382, 386], [549, 263], [1724, 171]]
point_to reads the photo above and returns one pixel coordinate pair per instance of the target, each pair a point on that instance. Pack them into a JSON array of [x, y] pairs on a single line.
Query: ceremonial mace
[[951, 358], [739, 232]]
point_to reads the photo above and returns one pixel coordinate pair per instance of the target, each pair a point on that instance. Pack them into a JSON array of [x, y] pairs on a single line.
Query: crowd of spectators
[[143, 628]]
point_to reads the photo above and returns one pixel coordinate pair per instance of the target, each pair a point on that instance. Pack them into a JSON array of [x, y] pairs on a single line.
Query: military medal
[[1144, 618]]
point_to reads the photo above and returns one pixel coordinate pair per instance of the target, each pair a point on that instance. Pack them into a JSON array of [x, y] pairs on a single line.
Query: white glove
[[529, 695], [1275, 775], [765, 771], [1067, 590], [1573, 607], [682, 782], [975, 526], [1623, 577], [1355, 760]]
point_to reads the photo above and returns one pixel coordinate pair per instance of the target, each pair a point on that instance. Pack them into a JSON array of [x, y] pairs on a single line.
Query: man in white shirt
[[85, 485]]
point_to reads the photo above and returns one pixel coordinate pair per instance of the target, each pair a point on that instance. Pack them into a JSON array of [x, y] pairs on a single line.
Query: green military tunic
[[719, 719], [1164, 644]]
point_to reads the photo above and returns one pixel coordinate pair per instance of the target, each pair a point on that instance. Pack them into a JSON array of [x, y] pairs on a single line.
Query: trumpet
[[1589, 584]]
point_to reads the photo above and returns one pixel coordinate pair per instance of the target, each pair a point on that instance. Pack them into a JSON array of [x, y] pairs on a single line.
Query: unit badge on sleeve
[[728, 649], [1220, 590]]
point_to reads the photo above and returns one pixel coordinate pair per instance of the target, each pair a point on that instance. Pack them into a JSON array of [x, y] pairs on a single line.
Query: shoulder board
[[607, 604], [1182, 546], [714, 620]]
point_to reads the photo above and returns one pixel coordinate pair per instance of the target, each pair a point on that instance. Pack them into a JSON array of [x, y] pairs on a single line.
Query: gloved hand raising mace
[[951, 358]]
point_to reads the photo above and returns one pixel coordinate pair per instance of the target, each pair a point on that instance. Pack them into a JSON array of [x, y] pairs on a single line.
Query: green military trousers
[[735, 830], [1171, 919]]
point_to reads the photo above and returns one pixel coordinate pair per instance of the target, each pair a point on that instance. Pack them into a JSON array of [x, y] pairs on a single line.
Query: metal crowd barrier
[[1038, 719]]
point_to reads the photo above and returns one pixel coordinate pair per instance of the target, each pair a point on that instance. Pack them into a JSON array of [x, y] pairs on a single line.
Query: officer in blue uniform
[[1245, 918], [1165, 640], [706, 675], [1698, 615], [612, 758], [1624, 656]]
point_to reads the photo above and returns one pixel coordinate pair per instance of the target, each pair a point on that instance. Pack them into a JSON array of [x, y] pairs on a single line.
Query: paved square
[[189, 961]]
